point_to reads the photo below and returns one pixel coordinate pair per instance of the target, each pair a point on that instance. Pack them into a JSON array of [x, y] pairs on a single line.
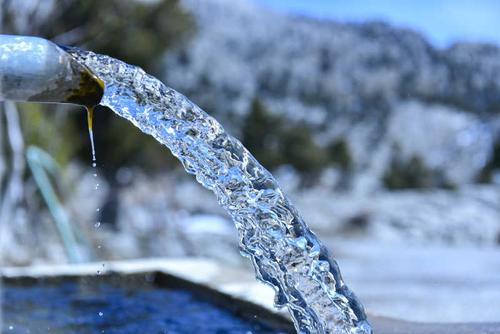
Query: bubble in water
[[96, 225], [101, 314], [11, 327], [98, 209], [94, 164], [99, 246]]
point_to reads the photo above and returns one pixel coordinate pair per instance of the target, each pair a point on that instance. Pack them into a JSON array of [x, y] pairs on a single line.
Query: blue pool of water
[[68, 306]]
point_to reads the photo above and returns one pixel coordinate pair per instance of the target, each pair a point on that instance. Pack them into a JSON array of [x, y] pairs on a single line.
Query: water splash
[[284, 252]]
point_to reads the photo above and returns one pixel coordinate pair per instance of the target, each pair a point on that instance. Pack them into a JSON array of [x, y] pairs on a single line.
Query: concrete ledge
[[234, 283], [391, 326]]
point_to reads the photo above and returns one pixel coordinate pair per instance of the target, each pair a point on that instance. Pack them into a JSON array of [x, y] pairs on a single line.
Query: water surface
[[113, 307]]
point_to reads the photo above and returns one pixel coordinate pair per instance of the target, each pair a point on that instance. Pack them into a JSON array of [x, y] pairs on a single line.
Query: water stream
[[90, 117], [284, 252]]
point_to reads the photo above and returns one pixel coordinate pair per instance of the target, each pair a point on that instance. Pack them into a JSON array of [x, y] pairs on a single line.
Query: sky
[[443, 22]]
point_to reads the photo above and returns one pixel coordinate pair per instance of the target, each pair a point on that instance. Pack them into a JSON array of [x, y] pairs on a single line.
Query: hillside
[[385, 95]]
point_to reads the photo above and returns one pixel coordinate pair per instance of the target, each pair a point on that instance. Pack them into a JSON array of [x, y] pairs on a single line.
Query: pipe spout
[[35, 69]]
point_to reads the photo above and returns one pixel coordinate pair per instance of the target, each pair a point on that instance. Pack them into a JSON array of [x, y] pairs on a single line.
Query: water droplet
[[96, 225], [99, 246], [11, 327], [101, 314]]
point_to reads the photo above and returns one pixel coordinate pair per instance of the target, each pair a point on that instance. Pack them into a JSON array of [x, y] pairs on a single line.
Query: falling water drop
[[90, 116]]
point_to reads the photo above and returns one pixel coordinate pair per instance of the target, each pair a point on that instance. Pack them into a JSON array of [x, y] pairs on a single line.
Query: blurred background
[[380, 119]]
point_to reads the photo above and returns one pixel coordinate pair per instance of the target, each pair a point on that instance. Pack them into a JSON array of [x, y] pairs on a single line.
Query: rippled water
[[83, 306], [285, 253]]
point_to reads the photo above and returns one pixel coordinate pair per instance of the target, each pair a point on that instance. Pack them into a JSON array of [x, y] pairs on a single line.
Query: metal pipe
[[35, 69]]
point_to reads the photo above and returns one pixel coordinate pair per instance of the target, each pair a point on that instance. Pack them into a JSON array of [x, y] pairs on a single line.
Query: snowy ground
[[422, 283]]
